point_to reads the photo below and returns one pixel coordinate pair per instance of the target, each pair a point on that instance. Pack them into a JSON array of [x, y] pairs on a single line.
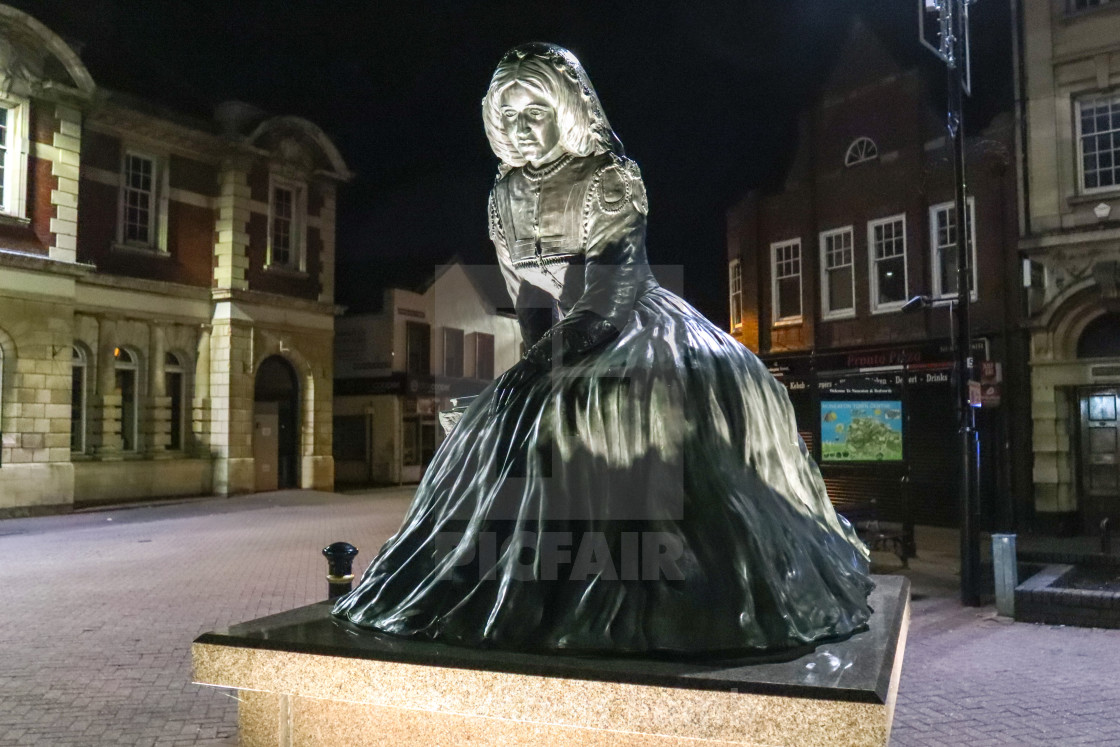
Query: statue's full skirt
[[653, 497]]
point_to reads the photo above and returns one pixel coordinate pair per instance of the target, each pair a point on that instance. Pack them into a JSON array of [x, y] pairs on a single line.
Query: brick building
[[821, 268], [166, 290], [1069, 81]]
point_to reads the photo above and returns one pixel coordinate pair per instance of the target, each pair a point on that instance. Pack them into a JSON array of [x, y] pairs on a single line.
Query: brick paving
[[98, 610]]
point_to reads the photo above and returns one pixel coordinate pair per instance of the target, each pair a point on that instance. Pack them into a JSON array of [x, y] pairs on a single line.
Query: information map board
[[861, 430]]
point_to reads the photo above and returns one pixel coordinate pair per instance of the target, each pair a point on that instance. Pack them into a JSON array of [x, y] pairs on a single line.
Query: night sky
[[703, 95]]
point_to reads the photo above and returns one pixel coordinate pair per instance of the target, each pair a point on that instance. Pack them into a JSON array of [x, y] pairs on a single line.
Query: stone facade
[[150, 265], [1069, 63]]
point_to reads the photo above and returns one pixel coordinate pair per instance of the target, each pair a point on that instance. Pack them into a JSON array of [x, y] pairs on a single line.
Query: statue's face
[[530, 123]]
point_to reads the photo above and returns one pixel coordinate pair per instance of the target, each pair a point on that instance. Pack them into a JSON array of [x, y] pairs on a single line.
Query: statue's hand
[[511, 381]]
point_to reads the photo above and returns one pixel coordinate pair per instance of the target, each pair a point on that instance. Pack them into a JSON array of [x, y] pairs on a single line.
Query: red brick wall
[[40, 182], [190, 238], [827, 195], [280, 281], [193, 176], [101, 151], [97, 221]]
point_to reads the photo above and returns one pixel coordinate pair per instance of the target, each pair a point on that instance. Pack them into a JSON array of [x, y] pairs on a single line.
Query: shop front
[[387, 428], [882, 425]]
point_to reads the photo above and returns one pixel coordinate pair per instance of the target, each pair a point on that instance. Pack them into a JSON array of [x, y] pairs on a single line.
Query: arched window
[[78, 370], [862, 149], [1100, 338], [126, 379], [175, 385]]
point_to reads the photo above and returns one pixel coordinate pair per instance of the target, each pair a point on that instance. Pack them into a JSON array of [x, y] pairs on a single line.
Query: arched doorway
[[276, 425], [1099, 410]]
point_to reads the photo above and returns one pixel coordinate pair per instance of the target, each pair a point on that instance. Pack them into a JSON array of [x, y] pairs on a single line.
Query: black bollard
[[340, 561], [1106, 537]]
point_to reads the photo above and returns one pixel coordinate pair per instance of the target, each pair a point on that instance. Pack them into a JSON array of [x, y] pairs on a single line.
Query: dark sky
[[704, 96]]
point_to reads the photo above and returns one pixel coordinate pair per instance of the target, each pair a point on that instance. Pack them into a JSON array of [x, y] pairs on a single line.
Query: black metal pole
[[340, 560], [969, 445]]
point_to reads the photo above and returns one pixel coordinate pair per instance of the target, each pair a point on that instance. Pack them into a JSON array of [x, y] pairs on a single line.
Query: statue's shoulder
[[493, 217], [618, 182]]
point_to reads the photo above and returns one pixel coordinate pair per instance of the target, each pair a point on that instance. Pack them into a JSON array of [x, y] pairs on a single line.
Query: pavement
[[98, 610]]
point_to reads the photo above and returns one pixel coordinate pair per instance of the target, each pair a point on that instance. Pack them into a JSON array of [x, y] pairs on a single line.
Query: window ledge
[[290, 272], [794, 321], [889, 309], [839, 316], [7, 219], [951, 298], [147, 251], [1086, 198]]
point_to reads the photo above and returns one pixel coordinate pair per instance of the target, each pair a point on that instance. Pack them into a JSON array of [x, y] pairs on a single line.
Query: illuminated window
[[175, 387], [886, 244], [837, 277], [862, 149], [126, 383], [786, 280], [1098, 127], [286, 224], [943, 240], [735, 280], [78, 370], [13, 158]]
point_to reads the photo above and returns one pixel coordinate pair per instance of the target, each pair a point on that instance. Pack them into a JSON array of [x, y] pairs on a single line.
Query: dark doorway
[[276, 425]]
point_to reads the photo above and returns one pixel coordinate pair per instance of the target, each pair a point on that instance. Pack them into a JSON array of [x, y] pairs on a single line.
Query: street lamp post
[[953, 50]]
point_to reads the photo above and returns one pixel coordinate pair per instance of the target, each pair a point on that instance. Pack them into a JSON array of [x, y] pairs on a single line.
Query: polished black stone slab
[[857, 669]]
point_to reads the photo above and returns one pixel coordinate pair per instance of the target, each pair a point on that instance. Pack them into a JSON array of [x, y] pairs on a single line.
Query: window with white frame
[[139, 199], [837, 277], [943, 240], [735, 291], [175, 387], [886, 247], [78, 370], [1098, 129], [786, 280], [286, 224], [13, 159], [862, 149], [127, 379]]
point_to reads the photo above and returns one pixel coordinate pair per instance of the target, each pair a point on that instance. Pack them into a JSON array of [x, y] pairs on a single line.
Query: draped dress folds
[[635, 484]]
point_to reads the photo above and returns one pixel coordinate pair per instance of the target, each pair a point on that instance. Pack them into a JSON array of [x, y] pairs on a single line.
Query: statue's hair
[[556, 75]]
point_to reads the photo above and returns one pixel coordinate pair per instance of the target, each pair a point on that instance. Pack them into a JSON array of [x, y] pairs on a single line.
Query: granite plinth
[[307, 678]]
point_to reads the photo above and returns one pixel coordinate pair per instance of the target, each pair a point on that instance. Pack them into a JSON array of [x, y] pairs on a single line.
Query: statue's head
[[542, 92]]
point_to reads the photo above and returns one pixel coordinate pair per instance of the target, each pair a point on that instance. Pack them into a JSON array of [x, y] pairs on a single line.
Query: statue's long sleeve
[[615, 269]]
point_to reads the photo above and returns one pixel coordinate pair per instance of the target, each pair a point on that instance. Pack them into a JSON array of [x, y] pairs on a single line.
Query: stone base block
[[308, 679]]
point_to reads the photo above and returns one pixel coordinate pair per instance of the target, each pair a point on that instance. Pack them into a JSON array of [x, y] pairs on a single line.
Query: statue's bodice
[[576, 210]]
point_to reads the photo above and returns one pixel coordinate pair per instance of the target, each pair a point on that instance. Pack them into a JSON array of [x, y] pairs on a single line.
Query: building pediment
[[300, 147], [33, 59]]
